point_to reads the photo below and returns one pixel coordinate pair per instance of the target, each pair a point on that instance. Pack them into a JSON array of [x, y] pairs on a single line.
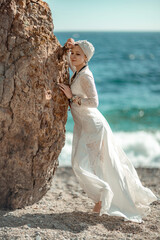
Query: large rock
[[33, 110]]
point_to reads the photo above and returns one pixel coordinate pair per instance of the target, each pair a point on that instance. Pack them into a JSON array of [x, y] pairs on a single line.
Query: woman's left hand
[[66, 89]]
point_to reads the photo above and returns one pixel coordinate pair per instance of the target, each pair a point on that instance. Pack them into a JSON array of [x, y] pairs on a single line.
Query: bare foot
[[97, 207]]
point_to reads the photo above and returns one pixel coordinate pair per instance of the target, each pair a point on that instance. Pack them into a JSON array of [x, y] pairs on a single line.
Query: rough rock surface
[[33, 110]]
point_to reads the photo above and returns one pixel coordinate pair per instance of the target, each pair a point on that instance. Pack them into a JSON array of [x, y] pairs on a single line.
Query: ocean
[[126, 69]]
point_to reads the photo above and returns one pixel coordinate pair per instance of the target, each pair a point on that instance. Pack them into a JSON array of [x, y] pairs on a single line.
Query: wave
[[142, 148], [132, 118]]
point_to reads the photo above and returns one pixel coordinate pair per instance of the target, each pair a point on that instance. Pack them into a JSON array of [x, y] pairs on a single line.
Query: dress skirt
[[104, 170]]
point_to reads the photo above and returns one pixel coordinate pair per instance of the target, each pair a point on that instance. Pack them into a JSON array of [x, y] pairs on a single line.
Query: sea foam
[[142, 148]]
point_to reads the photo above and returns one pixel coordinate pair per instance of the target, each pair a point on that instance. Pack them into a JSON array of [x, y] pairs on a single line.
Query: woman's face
[[77, 56]]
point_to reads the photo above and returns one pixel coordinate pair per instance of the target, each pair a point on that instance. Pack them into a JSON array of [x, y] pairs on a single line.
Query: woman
[[101, 166]]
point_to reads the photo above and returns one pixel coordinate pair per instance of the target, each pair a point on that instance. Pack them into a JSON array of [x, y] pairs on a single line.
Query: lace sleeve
[[88, 86]]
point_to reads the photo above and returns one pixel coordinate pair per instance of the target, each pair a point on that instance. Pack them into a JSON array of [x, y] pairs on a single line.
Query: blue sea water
[[126, 69]]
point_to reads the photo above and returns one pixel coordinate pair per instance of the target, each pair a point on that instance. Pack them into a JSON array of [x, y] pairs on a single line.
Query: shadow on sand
[[74, 222]]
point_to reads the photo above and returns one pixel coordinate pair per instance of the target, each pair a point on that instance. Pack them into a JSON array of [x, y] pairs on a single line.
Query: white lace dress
[[101, 166]]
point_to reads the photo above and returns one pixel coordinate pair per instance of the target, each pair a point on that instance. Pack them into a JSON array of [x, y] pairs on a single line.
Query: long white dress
[[99, 163]]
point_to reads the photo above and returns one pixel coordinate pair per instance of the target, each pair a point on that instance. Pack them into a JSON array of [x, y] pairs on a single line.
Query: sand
[[65, 212]]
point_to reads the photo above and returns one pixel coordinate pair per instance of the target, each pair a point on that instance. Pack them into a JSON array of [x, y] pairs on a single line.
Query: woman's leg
[[97, 207]]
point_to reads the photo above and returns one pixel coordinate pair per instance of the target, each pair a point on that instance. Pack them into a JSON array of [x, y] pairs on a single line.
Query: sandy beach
[[65, 212]]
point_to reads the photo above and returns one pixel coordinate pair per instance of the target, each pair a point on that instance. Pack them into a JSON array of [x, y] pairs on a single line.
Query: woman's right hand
[[70, 43]]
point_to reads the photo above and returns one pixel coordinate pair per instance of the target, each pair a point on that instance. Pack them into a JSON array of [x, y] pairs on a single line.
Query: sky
[[105, 15]]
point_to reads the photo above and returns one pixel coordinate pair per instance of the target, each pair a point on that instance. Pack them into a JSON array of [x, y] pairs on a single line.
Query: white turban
[[87, 48]]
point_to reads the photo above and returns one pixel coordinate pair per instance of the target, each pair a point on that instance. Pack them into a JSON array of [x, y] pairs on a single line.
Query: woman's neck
[[78, 68]]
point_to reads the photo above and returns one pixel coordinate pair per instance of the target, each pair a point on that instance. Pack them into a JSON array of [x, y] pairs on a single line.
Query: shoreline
[[65, 212]]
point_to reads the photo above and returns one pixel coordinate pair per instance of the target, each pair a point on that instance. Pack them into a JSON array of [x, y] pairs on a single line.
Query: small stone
[[130, 235], [27, 237], [82, 224], [75, 195], [38, 237], [25, 226]]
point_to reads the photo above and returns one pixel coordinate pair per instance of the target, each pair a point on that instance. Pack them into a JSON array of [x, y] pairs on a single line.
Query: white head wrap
[[87, 48]]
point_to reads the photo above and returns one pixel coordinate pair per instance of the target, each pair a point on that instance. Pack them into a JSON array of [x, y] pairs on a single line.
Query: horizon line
[[106, 30]]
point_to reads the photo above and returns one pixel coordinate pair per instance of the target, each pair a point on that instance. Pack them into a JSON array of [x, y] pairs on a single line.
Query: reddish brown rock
[[33, 111]]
